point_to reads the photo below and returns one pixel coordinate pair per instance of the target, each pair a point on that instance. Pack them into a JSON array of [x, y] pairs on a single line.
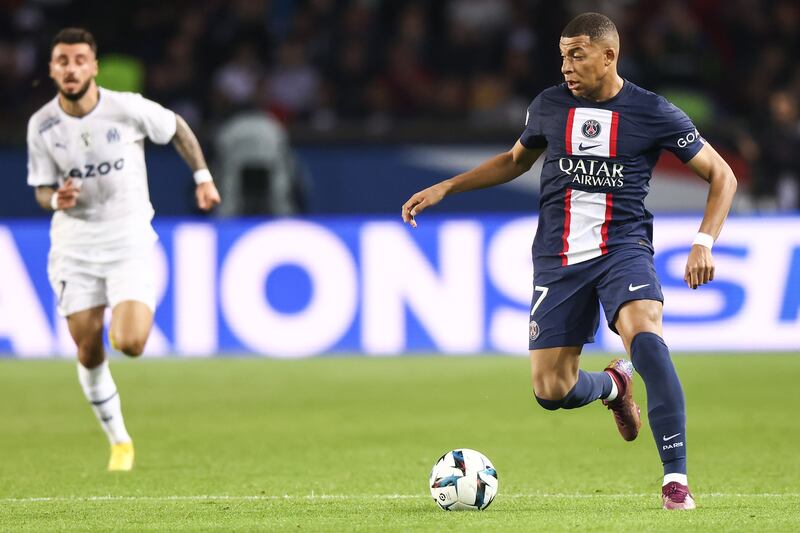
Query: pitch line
[[346, 497]]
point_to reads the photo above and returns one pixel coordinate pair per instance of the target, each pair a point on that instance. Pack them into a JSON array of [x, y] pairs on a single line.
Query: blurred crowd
[[372, 65]]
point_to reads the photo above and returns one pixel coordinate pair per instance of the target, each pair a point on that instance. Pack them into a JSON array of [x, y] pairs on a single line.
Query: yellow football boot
[[121, 457]]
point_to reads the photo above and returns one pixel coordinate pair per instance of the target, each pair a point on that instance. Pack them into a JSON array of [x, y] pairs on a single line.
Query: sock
[[680, 478], [614, 391], [101, 391], [590, 386], [666, 407]]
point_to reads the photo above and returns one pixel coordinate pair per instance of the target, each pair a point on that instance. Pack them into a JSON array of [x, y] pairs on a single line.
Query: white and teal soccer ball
[[463, 480]]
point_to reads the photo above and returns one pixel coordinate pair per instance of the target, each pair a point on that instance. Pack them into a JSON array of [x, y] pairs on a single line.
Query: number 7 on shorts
[[540, 299]]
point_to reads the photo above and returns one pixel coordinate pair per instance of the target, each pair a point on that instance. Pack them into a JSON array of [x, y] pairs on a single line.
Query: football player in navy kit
[[601, 136]]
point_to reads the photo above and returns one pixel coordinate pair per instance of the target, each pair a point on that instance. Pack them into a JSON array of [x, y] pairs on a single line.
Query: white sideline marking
[[344, 497]]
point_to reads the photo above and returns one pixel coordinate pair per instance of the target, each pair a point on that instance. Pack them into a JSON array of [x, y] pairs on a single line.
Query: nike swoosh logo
[[583, 148], [670, 438], [633, 287]]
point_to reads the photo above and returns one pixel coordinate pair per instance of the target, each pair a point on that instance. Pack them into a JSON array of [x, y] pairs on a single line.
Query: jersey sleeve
[[679, 135], [42, 170], [532, 137], [157, 122]]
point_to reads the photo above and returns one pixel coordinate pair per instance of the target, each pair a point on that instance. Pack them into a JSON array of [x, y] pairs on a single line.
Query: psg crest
[[534, 330], [590, 129]]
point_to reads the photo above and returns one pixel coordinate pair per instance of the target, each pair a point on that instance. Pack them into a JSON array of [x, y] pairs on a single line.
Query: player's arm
[[52, 199], [43, 174], [44, 197], [188, 147], [710, 166], [501, 168]]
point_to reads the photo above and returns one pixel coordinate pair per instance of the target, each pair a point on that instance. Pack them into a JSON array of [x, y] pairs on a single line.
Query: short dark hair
[[74, 36], [595, 25]]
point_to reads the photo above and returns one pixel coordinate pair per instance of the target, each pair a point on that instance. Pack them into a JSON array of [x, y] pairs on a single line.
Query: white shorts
[[81, 285]]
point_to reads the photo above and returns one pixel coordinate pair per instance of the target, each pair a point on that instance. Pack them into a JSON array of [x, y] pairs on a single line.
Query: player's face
[[583, 65], [73, 67]]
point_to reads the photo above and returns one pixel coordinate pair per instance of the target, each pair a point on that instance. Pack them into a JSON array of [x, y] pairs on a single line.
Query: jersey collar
[[626, 85], [100, 99]]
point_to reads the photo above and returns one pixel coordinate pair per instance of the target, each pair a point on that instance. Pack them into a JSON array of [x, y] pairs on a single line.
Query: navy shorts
[[565, 309]]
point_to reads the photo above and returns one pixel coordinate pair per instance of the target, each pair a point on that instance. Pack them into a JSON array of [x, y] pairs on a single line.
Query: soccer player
[[601, 136], [86, 160]]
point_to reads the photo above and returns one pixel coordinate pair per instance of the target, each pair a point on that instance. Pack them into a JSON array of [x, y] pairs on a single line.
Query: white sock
[[101, 391], [680, 478], [614, 390]]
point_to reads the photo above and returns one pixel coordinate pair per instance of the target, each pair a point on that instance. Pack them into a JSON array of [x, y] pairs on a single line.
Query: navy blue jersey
[[598, 163]]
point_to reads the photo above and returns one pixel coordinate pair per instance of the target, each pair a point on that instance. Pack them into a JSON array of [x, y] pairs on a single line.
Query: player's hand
[[68, 194], [699, 267], [421, 201], [207, 195]]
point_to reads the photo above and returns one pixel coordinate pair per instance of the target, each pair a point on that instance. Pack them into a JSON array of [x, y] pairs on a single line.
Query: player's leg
[[639, 325], [80, 292], [131, 295], [86, 329], [632, 298], [131, 322], [564, 316], [94, 376], [130, 290], [559, 383]]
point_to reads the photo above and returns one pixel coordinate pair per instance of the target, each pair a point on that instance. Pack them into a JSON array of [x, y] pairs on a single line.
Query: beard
[[77, 95]]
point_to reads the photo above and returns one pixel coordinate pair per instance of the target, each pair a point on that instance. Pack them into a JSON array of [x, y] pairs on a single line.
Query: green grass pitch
[[347, 443]]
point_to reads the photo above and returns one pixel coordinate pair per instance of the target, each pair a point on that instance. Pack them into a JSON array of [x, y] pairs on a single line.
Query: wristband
[[703, 239], [54, 201], [202, 176]]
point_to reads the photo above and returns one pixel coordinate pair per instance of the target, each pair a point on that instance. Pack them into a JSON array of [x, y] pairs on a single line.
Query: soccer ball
[[463, 480]]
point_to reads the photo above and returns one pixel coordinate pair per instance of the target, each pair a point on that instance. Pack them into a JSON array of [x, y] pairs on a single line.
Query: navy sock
[[666, 408], [590, 386]]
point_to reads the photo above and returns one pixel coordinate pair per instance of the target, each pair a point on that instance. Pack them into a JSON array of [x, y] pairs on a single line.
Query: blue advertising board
[[311, 286]]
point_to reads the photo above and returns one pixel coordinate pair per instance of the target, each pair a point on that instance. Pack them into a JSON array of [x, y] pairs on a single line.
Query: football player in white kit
[[86, 160]]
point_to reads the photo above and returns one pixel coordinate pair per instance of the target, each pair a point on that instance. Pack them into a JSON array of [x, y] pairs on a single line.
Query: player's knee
[[90, 351], [90, 357], [650, 318], [550, 405], [638, 316], [133, 349], [130, 346], [550, 390]]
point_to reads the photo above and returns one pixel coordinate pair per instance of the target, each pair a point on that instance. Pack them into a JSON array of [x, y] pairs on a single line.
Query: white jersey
[[104, 152]]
